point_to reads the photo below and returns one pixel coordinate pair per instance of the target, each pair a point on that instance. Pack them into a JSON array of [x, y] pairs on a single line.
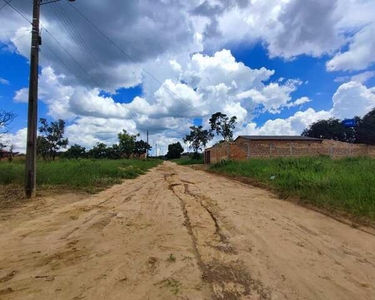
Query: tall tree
[[141, 147], [100, 150], [331, 129], [42, 147], [114, 152], [366, 129], [11, 153], [6, 118], [127, 142], [197, 138], [2, 147], [75, 151], [175, 150], [54, 135], [223, 125]]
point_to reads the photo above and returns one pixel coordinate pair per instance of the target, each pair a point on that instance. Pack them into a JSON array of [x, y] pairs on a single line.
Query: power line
[[17, 10], [22, 15], [106, 37], [67, 52], [80, 39], [127, 55], [57, 57], [5, 4], [67, 23]]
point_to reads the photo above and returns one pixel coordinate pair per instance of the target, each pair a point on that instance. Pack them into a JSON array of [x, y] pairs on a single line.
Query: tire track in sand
[[218, 260]]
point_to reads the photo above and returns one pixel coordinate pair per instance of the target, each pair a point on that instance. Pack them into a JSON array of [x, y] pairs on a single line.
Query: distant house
[[255, 146]]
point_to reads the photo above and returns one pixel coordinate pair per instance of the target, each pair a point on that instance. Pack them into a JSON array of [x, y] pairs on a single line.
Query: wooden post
[[32, 121]]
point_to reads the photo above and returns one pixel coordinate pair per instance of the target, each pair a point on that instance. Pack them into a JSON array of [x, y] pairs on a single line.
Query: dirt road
[[176, 233]]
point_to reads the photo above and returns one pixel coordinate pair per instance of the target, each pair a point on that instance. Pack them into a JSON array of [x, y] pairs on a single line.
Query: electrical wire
[[17, 10], [107, 38], [50, 34], [80, 39], [127, 55], [5, 4], [67, 52], [57, 57], [69, 26]]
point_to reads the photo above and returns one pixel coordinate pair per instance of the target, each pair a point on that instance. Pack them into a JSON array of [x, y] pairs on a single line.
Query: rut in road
[[178, 233], [220, 266]]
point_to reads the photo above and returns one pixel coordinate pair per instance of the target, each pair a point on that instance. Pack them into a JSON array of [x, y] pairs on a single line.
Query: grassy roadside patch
[[82, 175], [188, 161], [346, 185]]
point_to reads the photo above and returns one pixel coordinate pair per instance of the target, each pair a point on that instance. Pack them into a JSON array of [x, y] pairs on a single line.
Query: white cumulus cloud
[[360, 54], [353, 99]]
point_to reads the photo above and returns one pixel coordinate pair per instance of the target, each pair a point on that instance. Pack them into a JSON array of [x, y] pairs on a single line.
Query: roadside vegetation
[[184, 161], [345, 185], [86, 175], [75, 169]]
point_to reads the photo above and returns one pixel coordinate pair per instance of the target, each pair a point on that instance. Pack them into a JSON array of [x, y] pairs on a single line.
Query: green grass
[[346, 185], [87, 175], [189, 161]]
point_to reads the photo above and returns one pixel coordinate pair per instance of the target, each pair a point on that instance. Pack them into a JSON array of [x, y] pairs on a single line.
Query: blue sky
[[278, 65]]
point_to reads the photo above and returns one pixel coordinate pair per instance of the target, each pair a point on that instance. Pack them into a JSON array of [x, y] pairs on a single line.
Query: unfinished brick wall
[[226, 151], [244, 149], [279, 148]]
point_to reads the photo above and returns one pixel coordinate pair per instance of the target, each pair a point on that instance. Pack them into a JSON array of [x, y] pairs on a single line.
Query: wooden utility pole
[[32, 120], [32, 115]]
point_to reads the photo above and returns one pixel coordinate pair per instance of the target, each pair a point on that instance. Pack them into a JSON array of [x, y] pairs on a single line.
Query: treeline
[[51, 141], [333, 129]]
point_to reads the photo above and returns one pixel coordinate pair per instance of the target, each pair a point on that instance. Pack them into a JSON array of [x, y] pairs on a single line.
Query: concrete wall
[[244, 149]]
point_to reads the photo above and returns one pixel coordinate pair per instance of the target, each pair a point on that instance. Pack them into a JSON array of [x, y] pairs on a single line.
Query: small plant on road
[[172, 284], [171, 258]]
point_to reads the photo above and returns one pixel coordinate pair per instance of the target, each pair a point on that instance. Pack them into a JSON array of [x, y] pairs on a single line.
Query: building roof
[[277, 138]]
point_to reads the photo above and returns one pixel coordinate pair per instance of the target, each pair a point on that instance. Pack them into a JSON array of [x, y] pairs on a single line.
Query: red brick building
[[246, 147]]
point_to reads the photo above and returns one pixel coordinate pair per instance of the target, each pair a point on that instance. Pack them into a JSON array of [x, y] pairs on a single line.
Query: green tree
[[175, 150], [6, 118], [114, 152], [75, 151], [53, 133], [11, 153], [42, 147], [98, 151], [197, 139], [366, 129], [141, 147], [2, 147], [127, 142], [223, 125], [331, 129]]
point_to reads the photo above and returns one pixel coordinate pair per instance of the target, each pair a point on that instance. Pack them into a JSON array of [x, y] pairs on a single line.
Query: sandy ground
[[176, 233]]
